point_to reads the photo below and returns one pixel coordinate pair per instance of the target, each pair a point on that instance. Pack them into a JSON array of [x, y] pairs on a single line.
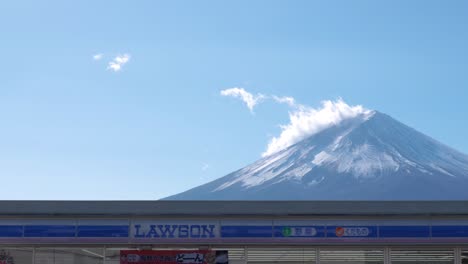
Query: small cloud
[[118, 62], [98, 56], [285, 100], [205, 167], [249, 99]]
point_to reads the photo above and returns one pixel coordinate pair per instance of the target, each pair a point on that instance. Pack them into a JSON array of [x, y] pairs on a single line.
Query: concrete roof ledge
[[239, 208]]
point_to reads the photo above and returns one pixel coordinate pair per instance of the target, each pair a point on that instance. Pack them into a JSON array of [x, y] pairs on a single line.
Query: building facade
[[327, 232]]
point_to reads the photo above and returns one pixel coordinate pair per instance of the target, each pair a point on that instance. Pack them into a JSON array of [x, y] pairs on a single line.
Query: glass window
[[464, 257], [351, 256], [69, 256], [281, 255], [236, 255], [422, 256]]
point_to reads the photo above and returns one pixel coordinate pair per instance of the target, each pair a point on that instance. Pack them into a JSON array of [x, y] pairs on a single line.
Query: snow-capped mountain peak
[[369, 156]]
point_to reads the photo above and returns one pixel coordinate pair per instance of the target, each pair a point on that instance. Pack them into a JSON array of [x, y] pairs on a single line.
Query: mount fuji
[[367, 157]]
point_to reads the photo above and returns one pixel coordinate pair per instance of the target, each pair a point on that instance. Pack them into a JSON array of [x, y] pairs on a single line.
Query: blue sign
[[212, 230]]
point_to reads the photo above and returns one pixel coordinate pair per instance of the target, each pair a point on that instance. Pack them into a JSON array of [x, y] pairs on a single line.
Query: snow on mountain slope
[[367, 157]]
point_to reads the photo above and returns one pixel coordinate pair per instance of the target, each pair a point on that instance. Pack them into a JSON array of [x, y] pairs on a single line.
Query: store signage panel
[[301, 231], [180, 231], [174, 229], [298, 229], [352, 231]]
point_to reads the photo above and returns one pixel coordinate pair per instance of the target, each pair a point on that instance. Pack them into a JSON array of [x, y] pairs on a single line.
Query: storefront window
[[57, 255], [236, 255], [464, 257], [69, 255], [280, 255], [422, 256], [351, 256]]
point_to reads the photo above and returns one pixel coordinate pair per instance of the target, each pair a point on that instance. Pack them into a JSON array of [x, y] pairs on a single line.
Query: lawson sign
[[229, 231], [174, 230]]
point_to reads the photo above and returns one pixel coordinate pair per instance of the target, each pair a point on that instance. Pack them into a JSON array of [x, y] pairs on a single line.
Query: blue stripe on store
[[11, 231], [102, 231], [49, 231], [246, 231], [404, 231]]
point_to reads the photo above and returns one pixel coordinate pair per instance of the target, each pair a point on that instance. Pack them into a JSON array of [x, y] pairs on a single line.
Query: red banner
[[173, 257]]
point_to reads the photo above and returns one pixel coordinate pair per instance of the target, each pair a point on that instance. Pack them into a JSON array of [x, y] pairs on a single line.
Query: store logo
[[339, 231], [5, 258], [352, 231], [174, 231], [299, 231], [287, 231]]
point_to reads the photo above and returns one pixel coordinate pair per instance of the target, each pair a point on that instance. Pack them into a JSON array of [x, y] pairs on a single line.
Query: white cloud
[[118, 62], [305, 121], [98, 56], [249, 99], [285, 100]]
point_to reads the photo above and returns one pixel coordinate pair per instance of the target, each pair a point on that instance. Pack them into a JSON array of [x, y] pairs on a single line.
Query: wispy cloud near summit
[[249, 99], [304, 121]]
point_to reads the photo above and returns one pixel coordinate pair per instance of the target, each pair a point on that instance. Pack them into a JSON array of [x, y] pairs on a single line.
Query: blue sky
[[73, 128]]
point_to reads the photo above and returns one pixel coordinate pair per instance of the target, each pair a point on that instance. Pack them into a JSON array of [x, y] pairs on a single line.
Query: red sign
[[168, 257], [339, 231]]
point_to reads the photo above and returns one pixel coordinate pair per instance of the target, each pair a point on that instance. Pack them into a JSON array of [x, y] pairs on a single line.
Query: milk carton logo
[[351, 231]]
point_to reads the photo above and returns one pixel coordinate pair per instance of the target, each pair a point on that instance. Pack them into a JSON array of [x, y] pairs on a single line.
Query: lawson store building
[[205, 232]]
